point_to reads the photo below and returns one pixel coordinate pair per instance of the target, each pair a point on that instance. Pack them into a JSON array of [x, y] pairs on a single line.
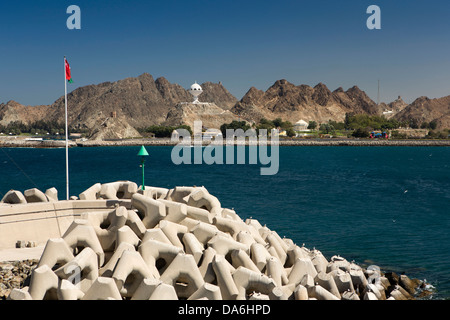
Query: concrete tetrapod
[[35, 195], [82, 269], [56, 252], [259, 255], [276, 271], [43, 284], [175, 212], [193, 246], [135, 223], [153, 192], [233, 227], [201, 198], [207, 291], [91, 193], [81, 234], [129, 272], [155, 234], [248, 280], [152, 210], [326, 281], [174, 232], [319, 261], [205, 232], [126, 234], [275, 244], [180, 244], [225, 280], [301, 293], [68, 291], [14, 197], [294, 252], [349, 295], [206, 267], [338, 262], [158, 255], [106, 225], [52, 194], [103, 288], [184, 275], [118, 190], [281, 293], [154, 289], [224, 245], [240, 258], [245, 237], [108, 269], [343, 280], [320, 293], [199, 214], [180, 194], [19, 294], [300, 268]]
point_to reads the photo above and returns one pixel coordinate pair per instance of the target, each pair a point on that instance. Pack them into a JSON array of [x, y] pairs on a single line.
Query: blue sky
[[241, 43]]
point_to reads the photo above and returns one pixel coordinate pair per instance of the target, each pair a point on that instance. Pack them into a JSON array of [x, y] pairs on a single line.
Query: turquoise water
[[387, 206]]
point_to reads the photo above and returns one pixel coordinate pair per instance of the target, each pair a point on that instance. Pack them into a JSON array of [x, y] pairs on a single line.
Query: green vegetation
[[40, 127], [360, 133], [327, 128], [263, 124], [277, 123], [162, 131], [364, 121], [234, 125], [433, 134], [312, 125]]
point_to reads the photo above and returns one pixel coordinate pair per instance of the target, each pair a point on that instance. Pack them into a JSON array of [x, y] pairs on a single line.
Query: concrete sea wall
[[12, 143], [116, 241]]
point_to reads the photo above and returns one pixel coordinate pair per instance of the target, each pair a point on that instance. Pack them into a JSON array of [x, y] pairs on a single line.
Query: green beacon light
[[143, 153]]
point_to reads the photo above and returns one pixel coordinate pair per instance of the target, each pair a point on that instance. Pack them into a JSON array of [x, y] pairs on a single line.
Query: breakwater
[[179, 243], [11, 143]]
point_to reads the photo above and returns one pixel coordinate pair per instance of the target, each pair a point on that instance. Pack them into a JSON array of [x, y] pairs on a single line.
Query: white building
[[196, 90], [301, 125]]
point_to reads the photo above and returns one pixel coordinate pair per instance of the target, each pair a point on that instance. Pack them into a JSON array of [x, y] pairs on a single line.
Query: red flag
[[68, 76]]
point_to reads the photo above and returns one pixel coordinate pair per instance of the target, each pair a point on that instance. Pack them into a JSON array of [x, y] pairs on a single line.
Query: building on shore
[[301, 125]]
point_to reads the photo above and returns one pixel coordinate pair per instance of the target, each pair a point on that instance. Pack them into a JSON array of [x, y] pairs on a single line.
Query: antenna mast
[[378, 95]]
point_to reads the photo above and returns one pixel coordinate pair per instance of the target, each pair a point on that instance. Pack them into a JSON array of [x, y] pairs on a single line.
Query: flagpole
[[67, 133]]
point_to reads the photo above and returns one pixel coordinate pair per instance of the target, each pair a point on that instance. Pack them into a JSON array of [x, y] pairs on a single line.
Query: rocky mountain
[[216, 93], [14, 111], [393, 108], [113, 128], [424, 109], [209, 113], [143, 101], [291, 102]]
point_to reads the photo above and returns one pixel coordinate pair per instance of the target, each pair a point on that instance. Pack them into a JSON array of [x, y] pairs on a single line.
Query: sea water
[[384, 206]]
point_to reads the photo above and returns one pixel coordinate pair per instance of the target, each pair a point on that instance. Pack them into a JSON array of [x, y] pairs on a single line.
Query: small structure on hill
[[196, 90]]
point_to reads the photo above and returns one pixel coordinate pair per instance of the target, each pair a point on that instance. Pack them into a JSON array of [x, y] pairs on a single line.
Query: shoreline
[[21, 143]]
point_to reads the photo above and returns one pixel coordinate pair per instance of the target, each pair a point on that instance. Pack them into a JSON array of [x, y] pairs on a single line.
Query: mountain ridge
[[142, 101]]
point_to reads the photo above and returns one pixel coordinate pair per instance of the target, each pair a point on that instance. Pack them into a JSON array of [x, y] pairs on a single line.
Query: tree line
[[37, 127], [263, 124]]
